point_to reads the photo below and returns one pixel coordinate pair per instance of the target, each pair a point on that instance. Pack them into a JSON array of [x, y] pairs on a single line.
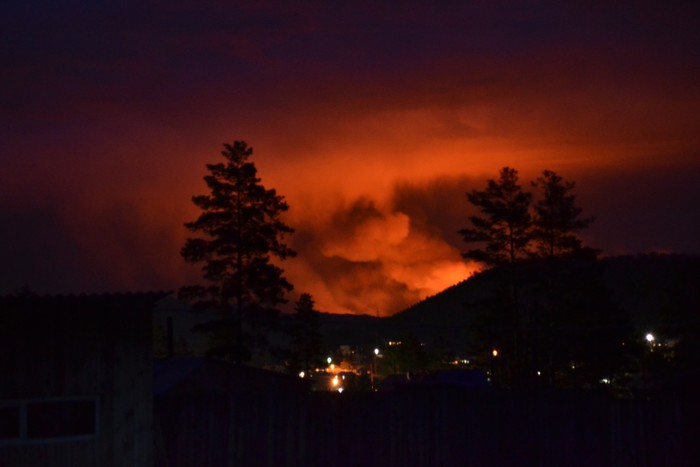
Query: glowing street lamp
[[373, 370], [494, 354], [651, 340]]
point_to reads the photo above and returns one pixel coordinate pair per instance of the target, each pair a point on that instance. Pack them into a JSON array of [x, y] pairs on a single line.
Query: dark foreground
[[435, 427]]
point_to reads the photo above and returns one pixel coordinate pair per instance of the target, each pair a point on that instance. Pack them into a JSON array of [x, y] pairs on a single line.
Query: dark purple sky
[[372, 119]]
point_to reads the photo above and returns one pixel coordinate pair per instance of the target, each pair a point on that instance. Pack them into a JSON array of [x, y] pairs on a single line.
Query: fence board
[[426, 428]]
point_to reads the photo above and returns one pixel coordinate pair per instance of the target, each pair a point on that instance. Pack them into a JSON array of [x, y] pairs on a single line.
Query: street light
[[494, 354], [651, 340], [373, 370]]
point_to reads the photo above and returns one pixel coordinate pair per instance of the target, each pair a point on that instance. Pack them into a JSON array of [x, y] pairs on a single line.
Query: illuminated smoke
[[364, 258]]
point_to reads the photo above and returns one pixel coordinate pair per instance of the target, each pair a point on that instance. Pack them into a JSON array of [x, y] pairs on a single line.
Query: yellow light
[[301, 374], [494, 353], [335, 381]]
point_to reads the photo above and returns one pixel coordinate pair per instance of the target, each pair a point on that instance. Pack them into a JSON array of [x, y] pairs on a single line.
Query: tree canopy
[[241, 230], [557, 218], [544, 306], [306, 339], [504, 228], [510, 228]]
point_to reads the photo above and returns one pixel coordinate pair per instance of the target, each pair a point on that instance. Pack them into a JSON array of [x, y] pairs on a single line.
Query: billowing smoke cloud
[[109, 115], [367, 257]]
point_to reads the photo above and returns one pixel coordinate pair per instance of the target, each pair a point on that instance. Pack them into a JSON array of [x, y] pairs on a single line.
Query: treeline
[[548, 318], [545, 315]]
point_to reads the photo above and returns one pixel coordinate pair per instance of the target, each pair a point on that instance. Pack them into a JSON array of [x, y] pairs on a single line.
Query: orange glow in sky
[[372, 120]]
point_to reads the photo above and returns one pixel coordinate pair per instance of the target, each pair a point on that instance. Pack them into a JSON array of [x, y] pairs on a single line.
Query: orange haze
[[373, 121]]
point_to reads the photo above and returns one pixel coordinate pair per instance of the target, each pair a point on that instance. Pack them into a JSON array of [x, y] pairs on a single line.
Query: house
[[75, 380]]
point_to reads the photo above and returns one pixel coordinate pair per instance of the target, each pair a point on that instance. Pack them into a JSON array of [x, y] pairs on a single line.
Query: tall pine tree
[[573, 302], [557, 218], [502, 233], [240, 229], [503, 229], [306, 336]]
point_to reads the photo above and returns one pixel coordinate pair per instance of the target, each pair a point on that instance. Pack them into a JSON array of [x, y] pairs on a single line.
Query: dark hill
[[646, 287], [653, 286], [355, 330]]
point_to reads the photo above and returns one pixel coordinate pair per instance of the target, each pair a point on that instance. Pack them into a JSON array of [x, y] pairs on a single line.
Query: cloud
[[371, 258], [372, 119], [642, 208], [376, 255], [84, 244], [361, 232]]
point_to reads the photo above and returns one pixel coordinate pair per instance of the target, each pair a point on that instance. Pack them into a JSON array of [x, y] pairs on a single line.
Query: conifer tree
[[557, 218], [240, 229], [573, 302], [504, 228], [503, 231], [306, 337]]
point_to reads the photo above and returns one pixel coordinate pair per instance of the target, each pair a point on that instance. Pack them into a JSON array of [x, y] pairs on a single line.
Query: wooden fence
[[426, 428]]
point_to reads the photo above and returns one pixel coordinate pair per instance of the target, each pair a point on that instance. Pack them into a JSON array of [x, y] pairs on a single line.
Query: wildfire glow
[[373, 149]]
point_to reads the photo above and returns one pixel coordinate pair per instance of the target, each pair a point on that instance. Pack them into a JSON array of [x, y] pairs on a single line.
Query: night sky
[[372, 118]]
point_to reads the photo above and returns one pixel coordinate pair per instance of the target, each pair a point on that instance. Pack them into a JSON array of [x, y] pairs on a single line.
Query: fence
[[425, 428]]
